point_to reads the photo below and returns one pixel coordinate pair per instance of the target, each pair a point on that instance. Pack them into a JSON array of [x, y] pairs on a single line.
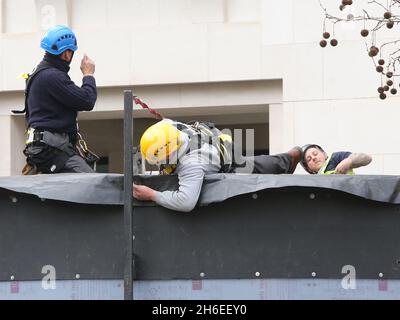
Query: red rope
[[145, 106]]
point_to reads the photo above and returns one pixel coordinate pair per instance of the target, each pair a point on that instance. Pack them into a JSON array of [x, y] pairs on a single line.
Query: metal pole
[[128, 198]]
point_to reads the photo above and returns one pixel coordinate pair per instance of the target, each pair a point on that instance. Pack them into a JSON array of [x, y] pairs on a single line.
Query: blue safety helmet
[[59, 39]]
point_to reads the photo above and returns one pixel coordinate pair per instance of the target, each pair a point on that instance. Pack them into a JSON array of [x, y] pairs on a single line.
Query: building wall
[[165, 49], [5, 132]]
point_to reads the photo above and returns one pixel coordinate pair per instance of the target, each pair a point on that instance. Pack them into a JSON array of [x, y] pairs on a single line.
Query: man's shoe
[[296, 153]]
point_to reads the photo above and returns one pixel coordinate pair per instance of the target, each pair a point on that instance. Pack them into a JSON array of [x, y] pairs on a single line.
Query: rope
[[145, 106]]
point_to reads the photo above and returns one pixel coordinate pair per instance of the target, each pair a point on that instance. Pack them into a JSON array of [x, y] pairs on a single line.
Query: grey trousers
[[60, 141], [77, 165], [264, 164]]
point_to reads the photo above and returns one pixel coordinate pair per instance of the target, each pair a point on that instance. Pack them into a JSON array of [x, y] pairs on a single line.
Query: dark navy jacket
[[54, 100]]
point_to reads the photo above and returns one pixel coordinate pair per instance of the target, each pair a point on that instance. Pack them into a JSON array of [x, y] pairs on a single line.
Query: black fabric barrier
[[108, 188], [288, 232]]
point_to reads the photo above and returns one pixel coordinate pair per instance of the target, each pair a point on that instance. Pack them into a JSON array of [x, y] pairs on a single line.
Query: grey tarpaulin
[[219, 187], [108, 188], [87, 188]]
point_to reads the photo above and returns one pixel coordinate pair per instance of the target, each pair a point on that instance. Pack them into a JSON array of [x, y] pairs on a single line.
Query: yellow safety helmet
[[159, 141]]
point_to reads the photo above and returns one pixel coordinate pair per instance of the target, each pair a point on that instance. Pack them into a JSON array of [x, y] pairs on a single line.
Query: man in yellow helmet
[[191, 151], [316, 161]]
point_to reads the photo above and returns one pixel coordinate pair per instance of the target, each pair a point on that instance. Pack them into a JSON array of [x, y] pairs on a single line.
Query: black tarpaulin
[[108, 188]]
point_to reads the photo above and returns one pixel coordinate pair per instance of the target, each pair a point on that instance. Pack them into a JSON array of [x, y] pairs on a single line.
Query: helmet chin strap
[[72, 56]]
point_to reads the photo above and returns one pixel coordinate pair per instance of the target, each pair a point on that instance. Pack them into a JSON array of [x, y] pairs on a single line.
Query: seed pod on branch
[[364, 33]]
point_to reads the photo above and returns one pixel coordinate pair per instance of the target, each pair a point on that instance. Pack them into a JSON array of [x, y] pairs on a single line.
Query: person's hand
[[143, 193], [343, 166], [87, 66]]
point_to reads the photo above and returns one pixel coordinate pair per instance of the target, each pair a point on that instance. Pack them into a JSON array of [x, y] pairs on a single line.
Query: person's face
[[67, 55], [314, 158]]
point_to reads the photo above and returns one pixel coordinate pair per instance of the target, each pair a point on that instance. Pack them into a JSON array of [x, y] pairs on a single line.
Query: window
[[102, 165]]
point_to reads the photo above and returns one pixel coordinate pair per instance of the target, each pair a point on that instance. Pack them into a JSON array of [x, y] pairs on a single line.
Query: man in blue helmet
[[52, 103]]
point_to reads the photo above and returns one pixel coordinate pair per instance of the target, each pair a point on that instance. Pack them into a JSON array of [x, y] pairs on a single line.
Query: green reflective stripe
[[350, 172], [323, 168]]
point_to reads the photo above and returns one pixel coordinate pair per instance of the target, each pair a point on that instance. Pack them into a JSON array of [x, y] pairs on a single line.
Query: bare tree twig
[[387, 52]]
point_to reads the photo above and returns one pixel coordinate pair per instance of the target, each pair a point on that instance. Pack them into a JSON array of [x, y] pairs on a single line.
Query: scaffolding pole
[[128, 198]]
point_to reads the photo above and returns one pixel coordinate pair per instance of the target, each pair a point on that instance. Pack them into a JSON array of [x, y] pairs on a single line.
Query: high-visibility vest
[[323, 168]]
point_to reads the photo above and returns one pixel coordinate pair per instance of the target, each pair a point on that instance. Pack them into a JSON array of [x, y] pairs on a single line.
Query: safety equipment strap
[[206, 132], [145, 106], [199, 133], [82, 149], [28, 82]]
